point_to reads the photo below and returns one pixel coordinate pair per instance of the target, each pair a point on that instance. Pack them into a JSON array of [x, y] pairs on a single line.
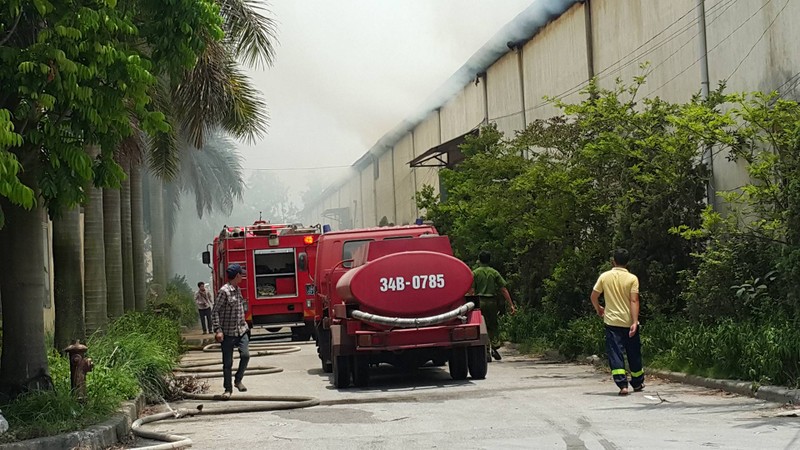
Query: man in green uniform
[[486, 284]]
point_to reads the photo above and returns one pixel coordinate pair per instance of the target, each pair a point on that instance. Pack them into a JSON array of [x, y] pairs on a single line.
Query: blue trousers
[[228, 344], [617, 343]]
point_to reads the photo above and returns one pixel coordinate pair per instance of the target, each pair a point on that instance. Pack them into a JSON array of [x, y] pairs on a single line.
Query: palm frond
[[213, 174], [249, 31], [246, 116], [162, 155], [162, 148], [215, 93]]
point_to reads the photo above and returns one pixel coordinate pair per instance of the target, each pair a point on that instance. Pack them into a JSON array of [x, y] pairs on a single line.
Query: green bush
[[144, 345], [177, 303], [135, 355], [584, 336]]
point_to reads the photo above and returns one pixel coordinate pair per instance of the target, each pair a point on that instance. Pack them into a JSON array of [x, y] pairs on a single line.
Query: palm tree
[[112, 236], [94, 258], [128, 290], [137, 236], [214, 95], [157, 237], [68, 282], [213, 175], [22, 287]]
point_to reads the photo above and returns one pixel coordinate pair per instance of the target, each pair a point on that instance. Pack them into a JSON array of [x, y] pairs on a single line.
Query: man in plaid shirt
[[231, 329]]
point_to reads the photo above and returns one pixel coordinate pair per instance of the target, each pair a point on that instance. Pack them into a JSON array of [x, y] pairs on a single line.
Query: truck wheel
[[477, 362], [458, 363], [341, 371], [361, 370]]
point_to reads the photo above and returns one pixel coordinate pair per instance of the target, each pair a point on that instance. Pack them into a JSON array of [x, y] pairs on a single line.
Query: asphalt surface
[[523, 403]]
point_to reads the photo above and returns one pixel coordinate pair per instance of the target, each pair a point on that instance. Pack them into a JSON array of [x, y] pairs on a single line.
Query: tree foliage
[[552, 202], [72, 73]]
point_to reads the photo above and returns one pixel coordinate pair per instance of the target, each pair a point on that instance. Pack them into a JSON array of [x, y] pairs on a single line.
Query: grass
[[765, 353], [134, 355]]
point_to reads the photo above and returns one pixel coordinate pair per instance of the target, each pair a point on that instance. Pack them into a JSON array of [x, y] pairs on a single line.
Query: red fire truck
[[395, 295], [279, 261]]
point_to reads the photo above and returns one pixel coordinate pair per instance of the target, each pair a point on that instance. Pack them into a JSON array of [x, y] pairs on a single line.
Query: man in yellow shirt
[[620, 290]]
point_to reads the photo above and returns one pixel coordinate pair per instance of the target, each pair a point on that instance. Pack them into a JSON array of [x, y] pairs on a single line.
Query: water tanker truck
[[395, 295]]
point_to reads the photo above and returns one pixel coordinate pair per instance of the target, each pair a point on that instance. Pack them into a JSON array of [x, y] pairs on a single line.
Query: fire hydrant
[[79, 366]]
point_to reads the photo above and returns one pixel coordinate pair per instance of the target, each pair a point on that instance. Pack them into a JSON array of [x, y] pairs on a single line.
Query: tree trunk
[[157, 232], [67, 248], [128, 295], [94, 258], [137, 234], [112, 234], [23, 365]]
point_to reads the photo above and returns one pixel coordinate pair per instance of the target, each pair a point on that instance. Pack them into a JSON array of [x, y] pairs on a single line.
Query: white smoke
[[521, 29]]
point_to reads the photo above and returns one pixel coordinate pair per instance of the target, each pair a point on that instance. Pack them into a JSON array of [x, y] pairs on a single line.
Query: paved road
[[524, 403]]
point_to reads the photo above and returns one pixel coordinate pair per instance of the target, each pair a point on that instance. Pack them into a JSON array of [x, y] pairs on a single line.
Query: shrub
[[144, 345], [584, 336], [177, 303], [135, 355]]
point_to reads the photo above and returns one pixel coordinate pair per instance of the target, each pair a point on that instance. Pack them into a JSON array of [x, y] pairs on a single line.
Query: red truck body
[[394, 295], [279, 260]]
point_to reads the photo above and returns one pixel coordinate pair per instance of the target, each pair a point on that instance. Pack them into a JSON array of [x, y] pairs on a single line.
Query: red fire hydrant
[[79, 366]]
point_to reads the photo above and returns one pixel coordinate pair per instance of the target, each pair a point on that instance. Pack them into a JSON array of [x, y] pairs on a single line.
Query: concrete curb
[[775, 394], [103, 435]]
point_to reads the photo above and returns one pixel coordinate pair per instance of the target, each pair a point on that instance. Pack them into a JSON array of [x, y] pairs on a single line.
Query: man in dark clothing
[[231, 328], [486, 284], [202, 298]]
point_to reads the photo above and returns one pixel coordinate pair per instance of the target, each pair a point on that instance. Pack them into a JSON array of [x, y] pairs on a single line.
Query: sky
[[347, 71]]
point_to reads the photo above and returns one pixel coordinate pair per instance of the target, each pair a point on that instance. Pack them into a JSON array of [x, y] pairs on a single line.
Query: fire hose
[[201, 369], [402, 322]]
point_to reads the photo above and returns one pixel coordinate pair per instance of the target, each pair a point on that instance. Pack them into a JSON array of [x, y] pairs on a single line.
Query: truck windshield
[[275, 273]]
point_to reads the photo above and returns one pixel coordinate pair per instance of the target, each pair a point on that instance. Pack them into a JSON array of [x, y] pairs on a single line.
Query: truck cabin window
[[349, 248], [275, 273]]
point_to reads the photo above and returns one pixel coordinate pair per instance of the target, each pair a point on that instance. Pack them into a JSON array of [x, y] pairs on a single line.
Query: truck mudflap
[[415, 322]]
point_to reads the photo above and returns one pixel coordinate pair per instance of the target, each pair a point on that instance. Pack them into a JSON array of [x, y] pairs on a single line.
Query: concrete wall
[[622, 35]]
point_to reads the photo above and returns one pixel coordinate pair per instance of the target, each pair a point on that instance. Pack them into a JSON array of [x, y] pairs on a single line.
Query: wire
[[759, 39], [282, 169], [637, 58], [790, 84], [721, 8], [713, 48]]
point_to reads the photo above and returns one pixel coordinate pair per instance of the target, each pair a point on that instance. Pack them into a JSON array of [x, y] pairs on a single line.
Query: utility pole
[[705, 89]]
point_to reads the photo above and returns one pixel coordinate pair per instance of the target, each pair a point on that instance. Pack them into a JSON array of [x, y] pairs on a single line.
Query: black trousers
[[205, 319], [228, 344]]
